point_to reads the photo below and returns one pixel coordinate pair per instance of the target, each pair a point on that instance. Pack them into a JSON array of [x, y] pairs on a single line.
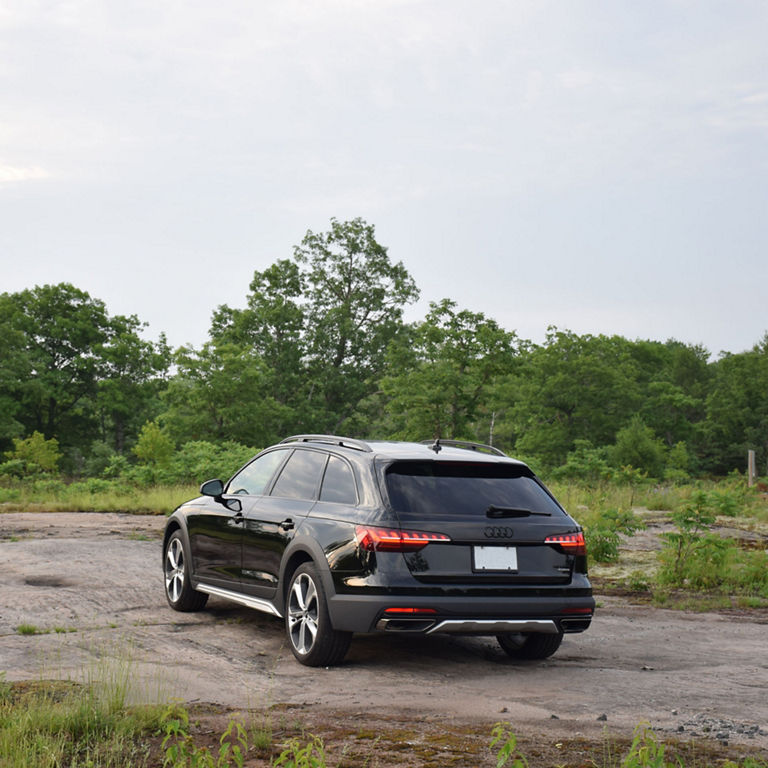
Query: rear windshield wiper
[[494, 511]]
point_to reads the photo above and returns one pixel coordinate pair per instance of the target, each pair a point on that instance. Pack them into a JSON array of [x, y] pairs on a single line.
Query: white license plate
[[495, 558]]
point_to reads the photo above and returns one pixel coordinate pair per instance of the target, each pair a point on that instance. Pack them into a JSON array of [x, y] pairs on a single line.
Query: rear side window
[[338, 483], [300, 477], [421, 489]]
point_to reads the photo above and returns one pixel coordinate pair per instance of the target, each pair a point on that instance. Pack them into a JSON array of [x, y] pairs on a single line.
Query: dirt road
[[92, 583]]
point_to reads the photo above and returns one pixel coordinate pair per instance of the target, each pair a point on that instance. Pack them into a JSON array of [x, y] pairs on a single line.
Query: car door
[[216, 530], [273, 519]]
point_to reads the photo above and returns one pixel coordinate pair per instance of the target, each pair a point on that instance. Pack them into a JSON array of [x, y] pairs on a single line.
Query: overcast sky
[[598, 166]]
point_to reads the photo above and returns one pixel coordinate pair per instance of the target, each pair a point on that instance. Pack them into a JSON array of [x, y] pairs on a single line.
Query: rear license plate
[[495, 558]]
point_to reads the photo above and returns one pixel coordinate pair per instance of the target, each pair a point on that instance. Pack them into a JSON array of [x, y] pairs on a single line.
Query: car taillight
[[410, 611], [395, 540], [572, 543]]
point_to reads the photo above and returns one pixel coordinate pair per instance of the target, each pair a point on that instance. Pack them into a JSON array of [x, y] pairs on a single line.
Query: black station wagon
[[339, 536]]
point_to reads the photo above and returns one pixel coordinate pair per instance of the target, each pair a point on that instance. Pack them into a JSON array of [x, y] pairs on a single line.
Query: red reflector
[[577, 610], [573, 543], [394, 539], [410, 610]]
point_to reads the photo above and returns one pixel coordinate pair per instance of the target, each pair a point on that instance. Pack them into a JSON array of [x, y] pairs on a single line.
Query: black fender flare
[[307, 549]]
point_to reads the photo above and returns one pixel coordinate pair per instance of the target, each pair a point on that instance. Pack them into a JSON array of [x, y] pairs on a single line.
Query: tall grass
[[53, 724], [93, 495]]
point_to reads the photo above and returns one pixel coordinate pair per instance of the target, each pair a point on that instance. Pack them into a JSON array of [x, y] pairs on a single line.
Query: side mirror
[[212, 488]]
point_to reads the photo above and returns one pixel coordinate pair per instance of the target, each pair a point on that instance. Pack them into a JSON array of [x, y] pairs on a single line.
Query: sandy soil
[[92, 583]]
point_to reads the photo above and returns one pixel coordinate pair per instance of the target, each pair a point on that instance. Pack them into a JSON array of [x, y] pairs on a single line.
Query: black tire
[[530, 646], [314, 642], [178, 589]]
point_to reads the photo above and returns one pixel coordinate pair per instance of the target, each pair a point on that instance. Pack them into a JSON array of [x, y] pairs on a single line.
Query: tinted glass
[[253, 479], [338, 483], [432, 489], [300, 476]]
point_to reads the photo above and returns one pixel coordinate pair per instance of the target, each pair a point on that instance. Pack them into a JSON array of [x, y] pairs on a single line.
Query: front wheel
[[314, 642], [521, 645], [178, 589]]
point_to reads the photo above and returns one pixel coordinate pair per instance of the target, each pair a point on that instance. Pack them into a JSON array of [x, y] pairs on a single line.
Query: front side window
[[254, 477], [301, 475]]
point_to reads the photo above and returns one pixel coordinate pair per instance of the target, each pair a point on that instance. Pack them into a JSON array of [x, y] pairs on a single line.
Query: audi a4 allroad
[[337, 535]]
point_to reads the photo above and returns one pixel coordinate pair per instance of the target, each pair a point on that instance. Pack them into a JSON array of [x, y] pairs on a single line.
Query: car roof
[[448, 450]]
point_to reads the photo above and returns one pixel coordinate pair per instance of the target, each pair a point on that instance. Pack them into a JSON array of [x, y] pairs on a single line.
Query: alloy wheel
[[303, 613], [174, 570]]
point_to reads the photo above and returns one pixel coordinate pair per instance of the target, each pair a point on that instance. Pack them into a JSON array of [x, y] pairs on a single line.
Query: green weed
[[310, 754], [30, 629], [505, 744]]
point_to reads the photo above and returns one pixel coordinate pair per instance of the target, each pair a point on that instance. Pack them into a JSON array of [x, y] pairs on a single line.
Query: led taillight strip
[[394, 539], [573, 543]]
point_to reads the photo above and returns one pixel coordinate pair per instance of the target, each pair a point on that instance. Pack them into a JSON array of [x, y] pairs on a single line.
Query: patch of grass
[[31, 629], [139, 537], [56, 724], [94, 496]]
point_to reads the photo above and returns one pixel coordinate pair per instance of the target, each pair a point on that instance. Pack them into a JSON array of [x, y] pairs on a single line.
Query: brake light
[[572, 543], [409, 610], [394, 539]]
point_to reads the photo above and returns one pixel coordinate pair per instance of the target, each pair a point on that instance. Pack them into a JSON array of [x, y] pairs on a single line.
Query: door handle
[[287, 524]]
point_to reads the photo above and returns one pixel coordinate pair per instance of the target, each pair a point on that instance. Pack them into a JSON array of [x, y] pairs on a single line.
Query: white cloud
[[11, 174]]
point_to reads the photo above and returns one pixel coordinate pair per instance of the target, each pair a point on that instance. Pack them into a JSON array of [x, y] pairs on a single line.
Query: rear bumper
[[461, 615]]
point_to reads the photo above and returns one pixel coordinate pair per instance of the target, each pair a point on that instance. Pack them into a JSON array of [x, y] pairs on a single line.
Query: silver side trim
[[494, 626], [257, 603]]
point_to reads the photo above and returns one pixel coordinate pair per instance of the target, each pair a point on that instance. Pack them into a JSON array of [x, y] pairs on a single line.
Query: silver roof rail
[[345, 442], [467, 445]]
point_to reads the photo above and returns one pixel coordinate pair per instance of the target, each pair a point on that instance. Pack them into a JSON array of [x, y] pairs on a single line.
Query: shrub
[[637, 446], [602, 533], [32, 455], [585, 463]]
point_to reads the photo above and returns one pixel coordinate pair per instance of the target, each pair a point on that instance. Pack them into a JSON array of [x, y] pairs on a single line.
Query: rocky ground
[[90, 586]]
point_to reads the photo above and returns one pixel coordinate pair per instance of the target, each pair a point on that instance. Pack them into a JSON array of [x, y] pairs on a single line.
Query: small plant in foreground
[[506, 741], [309, 755], [182, 752], [647, 751]]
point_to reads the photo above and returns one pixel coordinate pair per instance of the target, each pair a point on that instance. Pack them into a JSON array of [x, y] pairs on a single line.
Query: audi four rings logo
[[498, 532]]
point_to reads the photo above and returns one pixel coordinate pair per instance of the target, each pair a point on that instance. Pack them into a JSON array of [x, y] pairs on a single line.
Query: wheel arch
[[303, 551], [177, 524]]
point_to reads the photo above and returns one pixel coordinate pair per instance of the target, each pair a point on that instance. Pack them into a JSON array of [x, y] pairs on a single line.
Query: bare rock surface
[[91, 585]]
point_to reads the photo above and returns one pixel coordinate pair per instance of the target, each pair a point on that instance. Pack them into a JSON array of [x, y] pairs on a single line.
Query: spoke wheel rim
[[174, 570], [303, 614]]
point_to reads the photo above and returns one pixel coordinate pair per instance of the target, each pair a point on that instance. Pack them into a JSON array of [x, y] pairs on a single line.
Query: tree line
[[321, 346]]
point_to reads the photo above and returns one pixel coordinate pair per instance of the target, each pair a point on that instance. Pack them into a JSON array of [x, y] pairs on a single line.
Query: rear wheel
[[313, 640], [529, 646], [178, 589]]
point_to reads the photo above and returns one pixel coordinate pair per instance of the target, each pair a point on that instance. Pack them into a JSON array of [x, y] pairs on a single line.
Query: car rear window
[[427, 489]]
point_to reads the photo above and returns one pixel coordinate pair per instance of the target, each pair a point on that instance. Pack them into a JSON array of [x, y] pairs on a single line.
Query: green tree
[[638, 446], [71, 371], [440, 373], [133, 375], [355, 298], [59, 333], [318, 325], [737, 411], [571, 388], [271, 327], [222, 392], [154, 447], [32, 455]]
